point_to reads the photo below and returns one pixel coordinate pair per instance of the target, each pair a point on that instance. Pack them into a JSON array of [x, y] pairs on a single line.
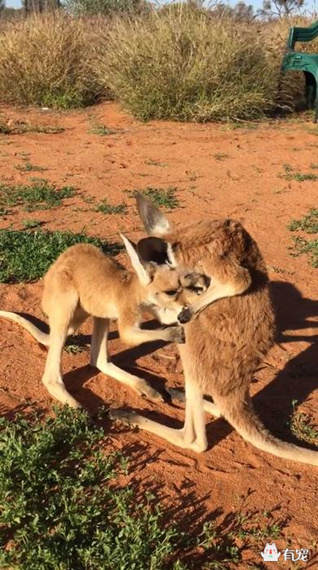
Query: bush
[[183, 64], [105, 7], [46, 60]]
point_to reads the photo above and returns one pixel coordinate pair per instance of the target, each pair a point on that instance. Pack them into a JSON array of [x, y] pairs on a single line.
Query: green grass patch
[[27, 255], [298, 176], [301, 425], [105, 208], [28, 167], [102, 130], [21, 129], [39, 195], [220, 156], [306, 225], [61, 506], [309, 223], [302, 245], [31, 224], [161, 197]]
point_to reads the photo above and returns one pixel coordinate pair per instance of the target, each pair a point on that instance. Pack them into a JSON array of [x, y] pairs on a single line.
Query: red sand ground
[[218, 171]]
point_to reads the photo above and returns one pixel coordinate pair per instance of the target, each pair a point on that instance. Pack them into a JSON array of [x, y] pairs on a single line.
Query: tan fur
[[82, 282], [226, 342]]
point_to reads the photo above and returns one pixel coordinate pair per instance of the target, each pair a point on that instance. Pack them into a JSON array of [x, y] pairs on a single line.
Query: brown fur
[[227, 341], [83, 281]]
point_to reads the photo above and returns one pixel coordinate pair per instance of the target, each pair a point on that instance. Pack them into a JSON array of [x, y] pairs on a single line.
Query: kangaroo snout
[[185, 316]]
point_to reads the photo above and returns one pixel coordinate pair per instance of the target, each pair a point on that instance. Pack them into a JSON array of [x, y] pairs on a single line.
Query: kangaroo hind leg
[[59, 321], [99, 358]]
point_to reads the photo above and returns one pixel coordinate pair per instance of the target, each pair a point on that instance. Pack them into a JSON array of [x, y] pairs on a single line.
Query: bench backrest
[[297, 34]]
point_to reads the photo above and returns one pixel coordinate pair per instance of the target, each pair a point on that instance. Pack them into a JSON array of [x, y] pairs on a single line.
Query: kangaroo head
[[167, 288]]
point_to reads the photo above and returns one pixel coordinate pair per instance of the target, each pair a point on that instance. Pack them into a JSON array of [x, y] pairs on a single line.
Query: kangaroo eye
[[197, 290], [171, 292]]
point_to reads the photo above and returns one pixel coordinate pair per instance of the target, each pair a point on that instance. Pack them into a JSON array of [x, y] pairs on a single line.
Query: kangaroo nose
[[185, 316]]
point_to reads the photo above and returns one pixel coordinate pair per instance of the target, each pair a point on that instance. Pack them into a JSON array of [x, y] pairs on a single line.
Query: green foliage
[[301, 426], [183, 64], [303, 245], [30, 224], [20, 129], [102, 130], [106, 208], [61, 507], [298, 176], [165, 198], [29, 167], [27, 255], [39, 195], [105, 7], [307, 225]]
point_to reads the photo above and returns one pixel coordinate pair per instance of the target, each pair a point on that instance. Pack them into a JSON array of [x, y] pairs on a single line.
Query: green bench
[[306, 62]]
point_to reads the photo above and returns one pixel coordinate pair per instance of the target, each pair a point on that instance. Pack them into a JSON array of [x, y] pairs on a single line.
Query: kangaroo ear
[[141, 271], [156, 250], [154, 221]]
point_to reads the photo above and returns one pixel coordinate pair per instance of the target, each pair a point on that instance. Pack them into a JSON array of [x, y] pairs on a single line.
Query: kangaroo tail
[[41, 337], [244, 419]]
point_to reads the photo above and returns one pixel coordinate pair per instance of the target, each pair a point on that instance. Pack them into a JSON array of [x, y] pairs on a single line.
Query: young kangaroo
[[83, 281], [226, 342]]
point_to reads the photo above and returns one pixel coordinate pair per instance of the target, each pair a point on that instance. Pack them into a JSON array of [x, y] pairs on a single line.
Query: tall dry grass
[[46, 60], [183, 64], [179, 62]]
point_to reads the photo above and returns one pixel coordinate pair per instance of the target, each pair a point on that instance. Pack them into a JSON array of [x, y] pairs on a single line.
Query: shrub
[[105, 7], [181, 63], [46, 60]]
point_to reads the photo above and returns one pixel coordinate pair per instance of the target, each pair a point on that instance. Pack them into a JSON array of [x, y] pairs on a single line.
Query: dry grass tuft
[[46, 60], [183, 64]]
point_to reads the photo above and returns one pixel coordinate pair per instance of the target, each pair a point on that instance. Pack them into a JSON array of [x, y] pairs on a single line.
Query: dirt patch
[[217, 171]]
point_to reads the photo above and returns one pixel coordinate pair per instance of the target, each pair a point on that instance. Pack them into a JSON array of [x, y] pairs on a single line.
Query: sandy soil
[[218, 171]]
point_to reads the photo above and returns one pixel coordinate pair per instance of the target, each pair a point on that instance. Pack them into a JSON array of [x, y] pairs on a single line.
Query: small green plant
[[61, 504], [301, 426], [75, 348], [106, 208], [27, 255], [30, 224], [248, 528], [307, 225], [38, 195], [302, 245], [102, 130], [298, 176], [220, 156], [151, 162], [20, 129], [28, 167], [161, 197]]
